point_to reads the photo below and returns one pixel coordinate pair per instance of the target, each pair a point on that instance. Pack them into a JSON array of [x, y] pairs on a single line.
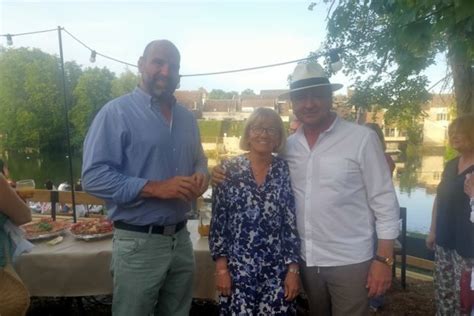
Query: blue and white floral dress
[[255, 228]]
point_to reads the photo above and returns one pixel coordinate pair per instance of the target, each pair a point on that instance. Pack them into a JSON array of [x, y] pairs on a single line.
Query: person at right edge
[[452, 233]]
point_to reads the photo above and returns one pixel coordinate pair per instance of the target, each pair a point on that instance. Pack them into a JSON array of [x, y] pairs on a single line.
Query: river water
[[415, 186]]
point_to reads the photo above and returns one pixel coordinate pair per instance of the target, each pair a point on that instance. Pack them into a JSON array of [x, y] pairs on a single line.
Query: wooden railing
[[53, 197], [65, 197]]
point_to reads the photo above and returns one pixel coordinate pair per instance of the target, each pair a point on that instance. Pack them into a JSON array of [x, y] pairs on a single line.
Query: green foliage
[[30, 100], [385, 44], [216, 129], [235, 128], [92, 91], [450, 153], [124, 84], [221, 94], [209, 129], [247, 92]]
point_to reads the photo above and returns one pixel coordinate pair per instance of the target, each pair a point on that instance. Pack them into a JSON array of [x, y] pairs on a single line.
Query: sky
[[211, 36]]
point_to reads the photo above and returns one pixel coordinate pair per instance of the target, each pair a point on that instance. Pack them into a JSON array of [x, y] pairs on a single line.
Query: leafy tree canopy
[[92, 91], [124, 84], [31, 105], [247, 92], [221, 94], [386, 44]]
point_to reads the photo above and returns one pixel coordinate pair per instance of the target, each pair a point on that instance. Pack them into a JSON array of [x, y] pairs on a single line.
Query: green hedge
[[211, 128]]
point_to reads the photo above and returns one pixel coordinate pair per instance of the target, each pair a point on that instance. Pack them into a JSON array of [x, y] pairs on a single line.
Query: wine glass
[[25, 188]]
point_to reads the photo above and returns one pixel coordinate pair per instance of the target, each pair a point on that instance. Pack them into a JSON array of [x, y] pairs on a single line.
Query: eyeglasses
[[257, 130]]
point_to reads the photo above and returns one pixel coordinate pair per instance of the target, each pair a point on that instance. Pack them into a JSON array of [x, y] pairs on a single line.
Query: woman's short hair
[[465, 126], [258, 115]]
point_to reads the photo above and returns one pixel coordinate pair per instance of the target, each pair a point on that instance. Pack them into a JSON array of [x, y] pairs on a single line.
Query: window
[[441, 117]]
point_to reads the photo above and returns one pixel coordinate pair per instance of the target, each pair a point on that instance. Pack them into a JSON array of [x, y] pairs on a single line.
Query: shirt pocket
[[336, 172]]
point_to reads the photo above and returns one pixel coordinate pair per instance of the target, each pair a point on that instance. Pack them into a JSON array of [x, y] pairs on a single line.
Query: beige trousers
[[337, 291]]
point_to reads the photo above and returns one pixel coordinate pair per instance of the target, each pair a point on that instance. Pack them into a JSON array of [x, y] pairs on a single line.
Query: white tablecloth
[[81, 268]]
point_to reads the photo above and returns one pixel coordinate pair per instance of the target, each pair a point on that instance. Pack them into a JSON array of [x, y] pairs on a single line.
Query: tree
[[386, 44], [93, 90], [247, 93], [221, 94], [124, 84], [72, 72], [31, 104]]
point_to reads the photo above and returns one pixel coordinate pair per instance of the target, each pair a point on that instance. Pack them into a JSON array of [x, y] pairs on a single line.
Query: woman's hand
[[430, 240], [292, 285], [218, 175], [223, 282]]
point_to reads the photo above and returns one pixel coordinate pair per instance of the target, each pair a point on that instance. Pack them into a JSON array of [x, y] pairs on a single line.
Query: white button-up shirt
[[344, 193]]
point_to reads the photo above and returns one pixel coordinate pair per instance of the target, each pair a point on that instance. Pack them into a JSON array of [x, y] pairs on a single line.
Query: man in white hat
[[344, 197]]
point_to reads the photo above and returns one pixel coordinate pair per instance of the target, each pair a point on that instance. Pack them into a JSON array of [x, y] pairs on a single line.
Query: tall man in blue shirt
[[143, 156]]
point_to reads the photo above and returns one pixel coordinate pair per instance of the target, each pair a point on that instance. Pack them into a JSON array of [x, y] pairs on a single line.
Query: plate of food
[[44, 229], [92, 229]]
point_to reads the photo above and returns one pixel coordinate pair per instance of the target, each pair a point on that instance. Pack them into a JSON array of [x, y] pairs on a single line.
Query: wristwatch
[[386, 260]]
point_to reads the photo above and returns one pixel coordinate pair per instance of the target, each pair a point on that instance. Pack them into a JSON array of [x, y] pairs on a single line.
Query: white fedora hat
[[309, 75]]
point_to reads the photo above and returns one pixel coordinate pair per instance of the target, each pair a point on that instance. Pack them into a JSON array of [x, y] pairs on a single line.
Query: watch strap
[[386, 260]]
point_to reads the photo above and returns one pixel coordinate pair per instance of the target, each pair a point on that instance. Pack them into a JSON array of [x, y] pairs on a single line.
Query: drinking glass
[[25, 188], [204, 223]]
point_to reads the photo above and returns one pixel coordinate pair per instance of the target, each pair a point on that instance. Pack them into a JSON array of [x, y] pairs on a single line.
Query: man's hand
[[218, 175], [202, 182], [379, 279], [184, 188], [292, 286]]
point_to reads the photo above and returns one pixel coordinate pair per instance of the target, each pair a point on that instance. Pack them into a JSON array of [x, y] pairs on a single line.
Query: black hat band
[[308, 82]]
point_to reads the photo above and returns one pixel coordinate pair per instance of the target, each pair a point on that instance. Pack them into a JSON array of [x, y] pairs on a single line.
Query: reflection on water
[[416, 177], [41, 167]]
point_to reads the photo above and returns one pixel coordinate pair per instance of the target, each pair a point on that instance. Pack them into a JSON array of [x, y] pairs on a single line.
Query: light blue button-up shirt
[[129, 143]]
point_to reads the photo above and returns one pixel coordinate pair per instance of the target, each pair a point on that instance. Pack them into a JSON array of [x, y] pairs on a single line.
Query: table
[[81, 268]]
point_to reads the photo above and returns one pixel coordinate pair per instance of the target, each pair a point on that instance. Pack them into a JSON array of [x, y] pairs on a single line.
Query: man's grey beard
[[160, 94]]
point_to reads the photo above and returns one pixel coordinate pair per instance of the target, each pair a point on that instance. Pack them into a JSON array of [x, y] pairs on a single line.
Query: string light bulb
[[336, 63], [92, 58], [9, 40]]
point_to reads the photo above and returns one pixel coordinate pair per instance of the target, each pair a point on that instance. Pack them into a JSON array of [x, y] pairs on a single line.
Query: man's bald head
[[160, 43]]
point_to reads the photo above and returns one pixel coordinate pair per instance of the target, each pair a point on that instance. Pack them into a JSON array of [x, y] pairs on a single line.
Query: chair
[[400, 249]]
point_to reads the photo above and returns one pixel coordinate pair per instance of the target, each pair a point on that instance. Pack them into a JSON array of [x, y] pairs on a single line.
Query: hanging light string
[[94, 53], [247, 69], [28, 33]]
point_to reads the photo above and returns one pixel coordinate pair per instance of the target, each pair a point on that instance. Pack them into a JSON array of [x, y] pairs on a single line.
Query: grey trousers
[[337, 291]]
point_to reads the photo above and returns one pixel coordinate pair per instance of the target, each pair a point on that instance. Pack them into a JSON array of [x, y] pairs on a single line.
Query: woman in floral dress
[[253, 236]]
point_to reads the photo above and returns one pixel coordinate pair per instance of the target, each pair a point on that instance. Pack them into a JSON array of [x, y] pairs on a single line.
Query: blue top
[[254, 226], [129, 143], [3, 237]]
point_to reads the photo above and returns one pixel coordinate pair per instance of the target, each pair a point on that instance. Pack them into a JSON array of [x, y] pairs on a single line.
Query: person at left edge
[[144, 157]]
